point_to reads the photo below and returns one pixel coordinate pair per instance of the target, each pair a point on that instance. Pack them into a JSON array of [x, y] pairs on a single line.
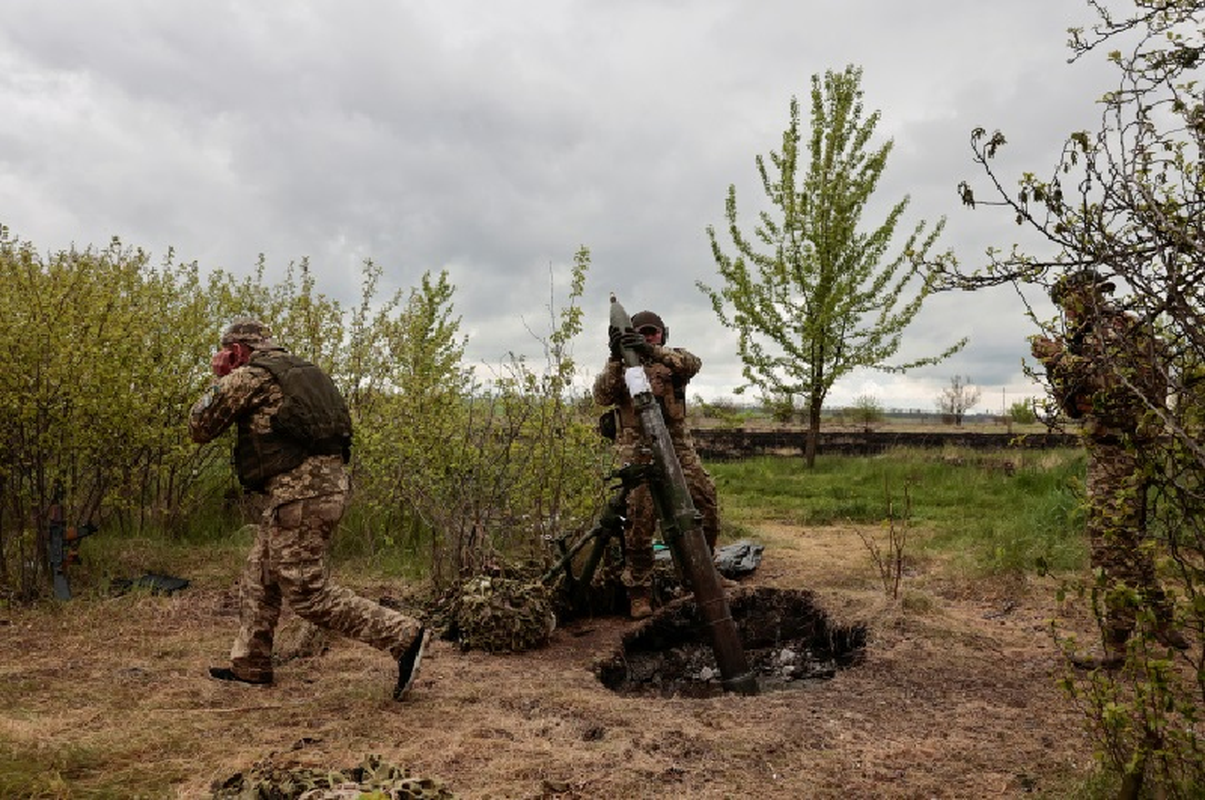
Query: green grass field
[[1000, 511]]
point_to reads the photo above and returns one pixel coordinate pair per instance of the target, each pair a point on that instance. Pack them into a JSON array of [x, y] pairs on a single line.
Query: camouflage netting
[[500, 615], [371, 779]]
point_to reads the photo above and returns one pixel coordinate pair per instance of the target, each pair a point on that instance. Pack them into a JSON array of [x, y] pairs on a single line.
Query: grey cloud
[[494, 139]]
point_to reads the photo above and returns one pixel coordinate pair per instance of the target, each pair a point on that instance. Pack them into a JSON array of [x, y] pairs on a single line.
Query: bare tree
[[958, 398]]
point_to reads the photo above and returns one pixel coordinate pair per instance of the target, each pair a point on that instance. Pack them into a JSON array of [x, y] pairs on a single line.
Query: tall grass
[[999, 512]]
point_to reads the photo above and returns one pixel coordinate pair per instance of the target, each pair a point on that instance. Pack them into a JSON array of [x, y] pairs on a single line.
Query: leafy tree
[[520, 463], [817, 300], [1022, 412], [867, 411], [958, 398], [1128, 200], [406, 386], [723, 410], [781, 407]]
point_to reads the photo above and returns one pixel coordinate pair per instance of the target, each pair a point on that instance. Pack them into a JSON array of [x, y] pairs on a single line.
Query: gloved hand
[[627, 339], [633, 340], [614, 337]]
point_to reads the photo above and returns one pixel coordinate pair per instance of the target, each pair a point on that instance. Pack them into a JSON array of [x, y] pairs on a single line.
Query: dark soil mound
[[788, 643]]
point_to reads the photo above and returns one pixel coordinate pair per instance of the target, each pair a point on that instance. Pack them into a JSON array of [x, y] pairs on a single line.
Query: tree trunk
[[809, 452]]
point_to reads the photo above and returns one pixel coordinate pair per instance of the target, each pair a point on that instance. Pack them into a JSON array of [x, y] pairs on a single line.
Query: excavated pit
[[788, 639]]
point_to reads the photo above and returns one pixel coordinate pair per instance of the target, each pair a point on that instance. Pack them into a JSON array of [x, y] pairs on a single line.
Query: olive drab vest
[[670, 395], [312, 420]]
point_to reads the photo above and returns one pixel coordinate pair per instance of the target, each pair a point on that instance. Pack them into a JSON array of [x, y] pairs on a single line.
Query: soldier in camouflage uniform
[[1107, 372], [294, 439], [669, 370]]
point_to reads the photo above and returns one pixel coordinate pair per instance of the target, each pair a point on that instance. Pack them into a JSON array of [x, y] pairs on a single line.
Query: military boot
[[407, 665], [259, 677]]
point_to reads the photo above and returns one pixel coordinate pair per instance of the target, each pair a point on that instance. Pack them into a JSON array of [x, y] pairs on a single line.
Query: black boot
[[227, 674], [407, 665]]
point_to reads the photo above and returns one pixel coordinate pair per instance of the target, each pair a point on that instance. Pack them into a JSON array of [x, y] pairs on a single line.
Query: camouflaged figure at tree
[[1108, 371], [293, 443], [669, 370]]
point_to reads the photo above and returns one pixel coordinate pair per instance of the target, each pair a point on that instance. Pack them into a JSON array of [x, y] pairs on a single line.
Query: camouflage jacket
[[1109, 372], [669, 370], [249, 397]]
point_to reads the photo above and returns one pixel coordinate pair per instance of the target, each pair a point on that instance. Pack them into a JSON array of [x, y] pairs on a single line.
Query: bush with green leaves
[[867, 411], [108, 351], [104, 349], [723, 411], [1022, 412]]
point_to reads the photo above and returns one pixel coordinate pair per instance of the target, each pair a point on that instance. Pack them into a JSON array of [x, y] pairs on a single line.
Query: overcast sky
[[492, 139]]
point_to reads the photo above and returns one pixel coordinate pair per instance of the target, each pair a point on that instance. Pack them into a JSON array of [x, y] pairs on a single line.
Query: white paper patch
[[636, 380]]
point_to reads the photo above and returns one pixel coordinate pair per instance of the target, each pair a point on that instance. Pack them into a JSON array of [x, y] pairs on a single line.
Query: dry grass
[[955, 700]]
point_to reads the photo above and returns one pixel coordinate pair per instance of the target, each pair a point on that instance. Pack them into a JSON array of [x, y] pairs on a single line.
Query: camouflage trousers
[[1116, 524], [638, 540], [287, 563]]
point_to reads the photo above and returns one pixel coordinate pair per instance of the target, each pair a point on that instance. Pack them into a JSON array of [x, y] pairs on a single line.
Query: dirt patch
[[956, 698], [787, 638]]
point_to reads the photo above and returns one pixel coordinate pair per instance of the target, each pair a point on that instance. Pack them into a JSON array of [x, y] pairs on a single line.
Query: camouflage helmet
[[1086, 280], [645, 319], [248, 331]]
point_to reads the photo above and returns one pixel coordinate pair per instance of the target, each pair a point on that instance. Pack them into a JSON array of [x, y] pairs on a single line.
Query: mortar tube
[[681, 526]]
